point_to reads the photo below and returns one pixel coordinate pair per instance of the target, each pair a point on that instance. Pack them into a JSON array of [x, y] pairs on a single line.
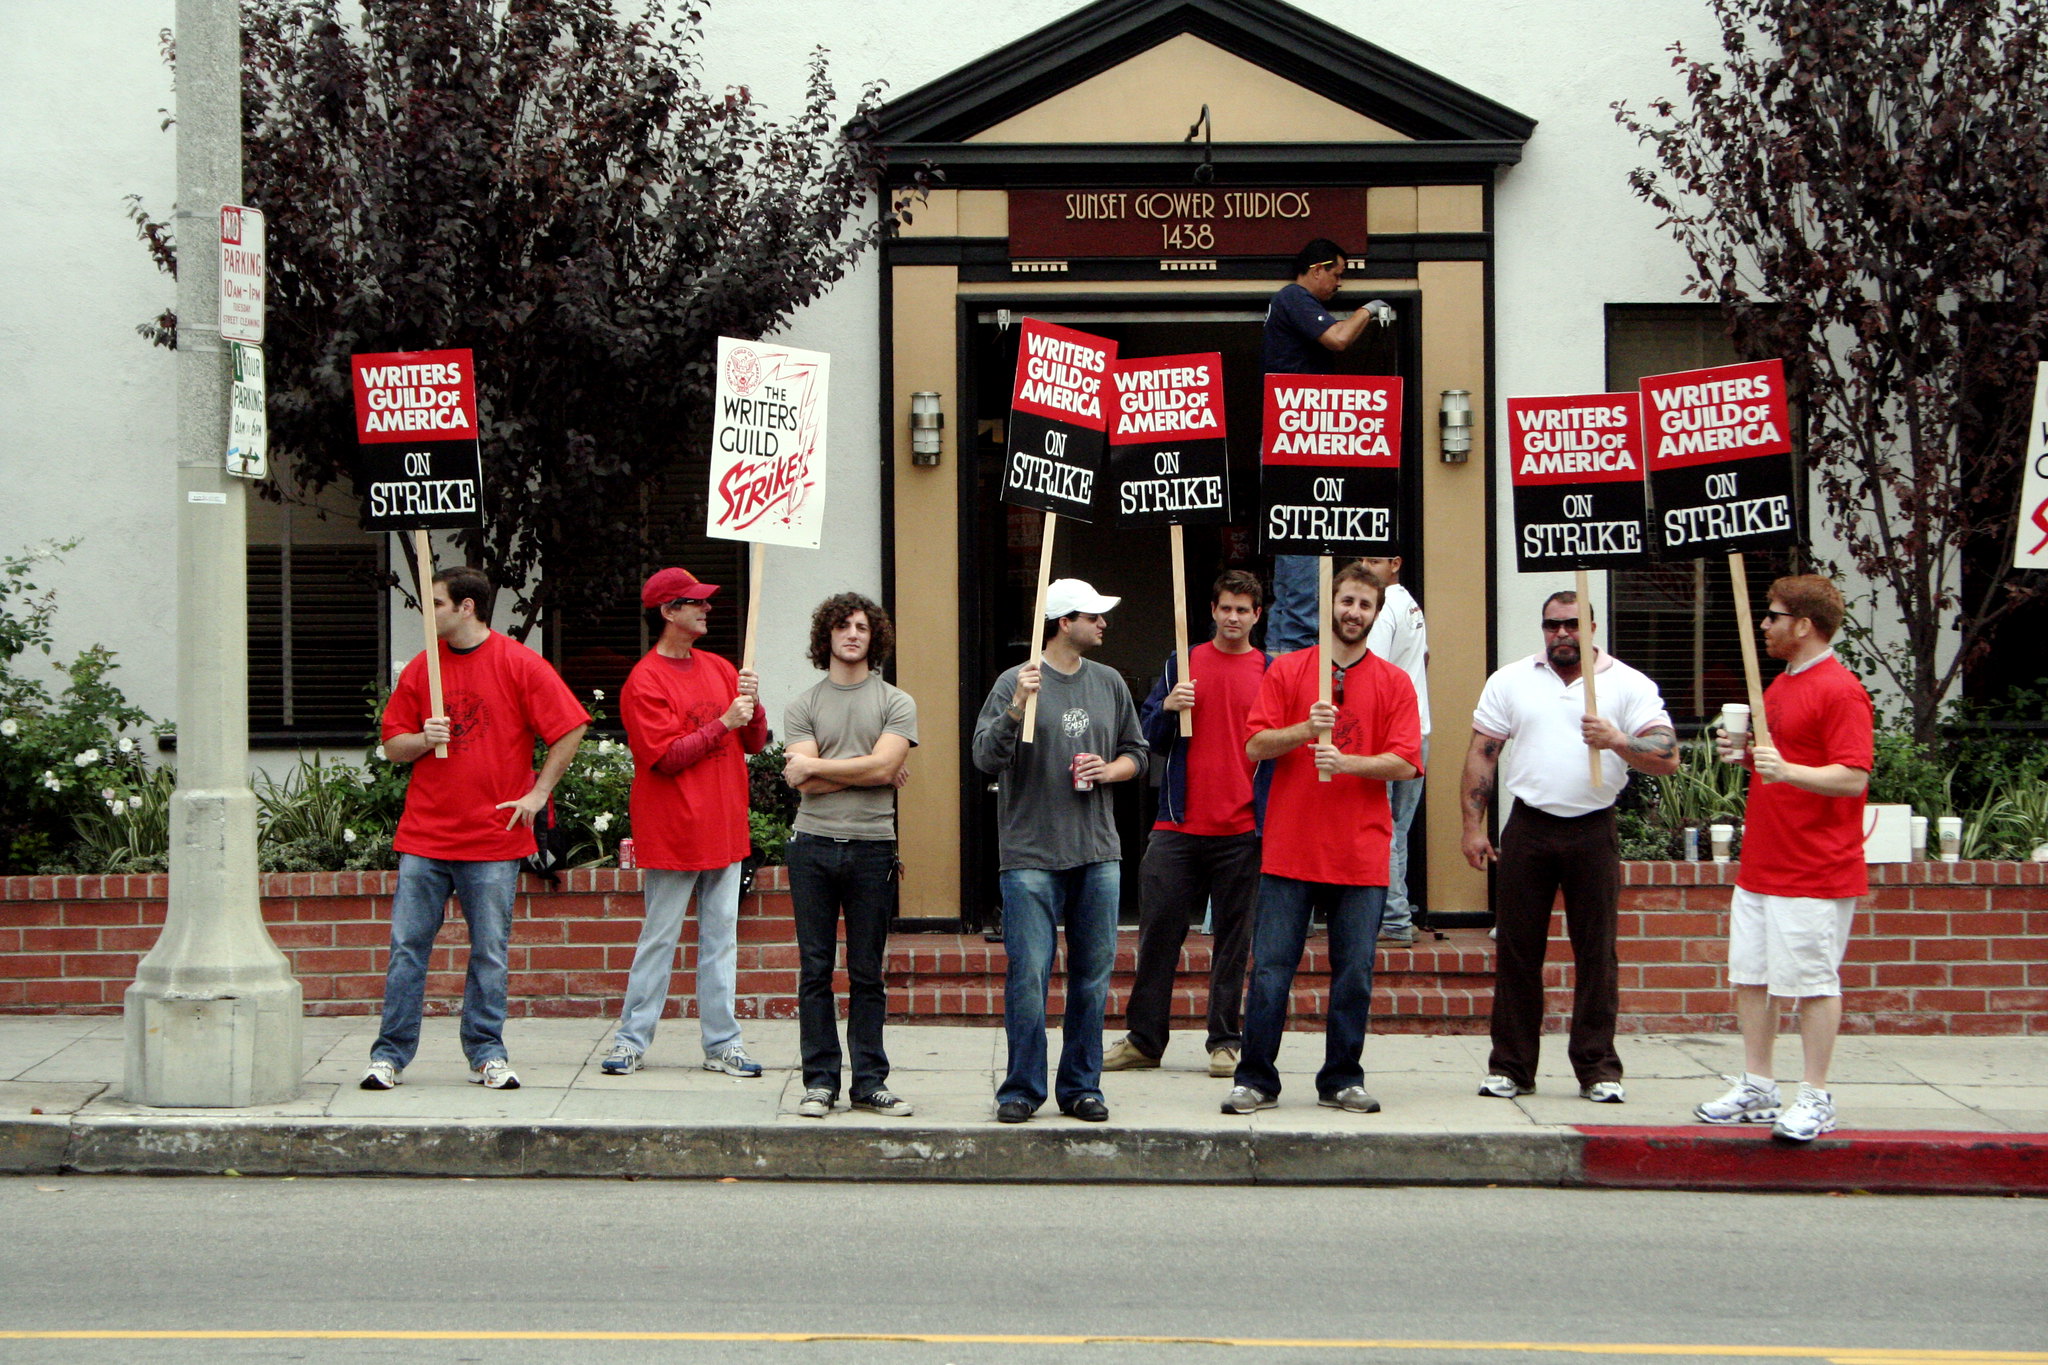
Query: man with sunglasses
[[1560, 836], [1303, 337], [1802, 858]]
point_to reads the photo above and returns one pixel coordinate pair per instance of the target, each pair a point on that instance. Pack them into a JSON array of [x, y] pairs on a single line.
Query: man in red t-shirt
[[1205, 844], [691, 720], [497, 697], [1802, 859], [1326, 843]]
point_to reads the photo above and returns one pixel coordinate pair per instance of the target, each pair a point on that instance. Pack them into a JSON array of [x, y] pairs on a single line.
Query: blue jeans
[[1404, 797], [826, 875], [1291, 624], [1035, 901], [666, 895], [485, 891], [1278, 937]]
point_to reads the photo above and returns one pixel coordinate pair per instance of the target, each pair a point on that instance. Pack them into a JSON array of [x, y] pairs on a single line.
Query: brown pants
[[1541, 854]]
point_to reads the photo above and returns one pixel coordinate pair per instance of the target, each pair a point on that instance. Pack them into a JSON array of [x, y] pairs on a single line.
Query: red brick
[[768, 983], [1952, 949], [1912, 973], [560, 958], [1870, 949], [1988, 974], [356, 933], [2019, 1000], [1705, 949], [1909, 924], [1654, 949], [25, 912], [1871, 1002], [1652, 1002], [1855, 975], [22, 966], [1672, 976], [1688, 924], [1988, 922], [1981, 1025], [342, 908], [1949, 1001], [1951, 898], [333, 961], [101, 964], [60, 992], [1655, 898], [1887, 898], [604, 931], [103, 912], [139, 938]]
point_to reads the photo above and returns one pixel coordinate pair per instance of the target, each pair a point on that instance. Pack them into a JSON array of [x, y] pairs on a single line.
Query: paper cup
[[1950, 829], [1918, 826], [1735, 718], [1721, 836]]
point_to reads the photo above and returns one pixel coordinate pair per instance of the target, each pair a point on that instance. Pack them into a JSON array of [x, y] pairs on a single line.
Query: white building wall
[[88, 404]]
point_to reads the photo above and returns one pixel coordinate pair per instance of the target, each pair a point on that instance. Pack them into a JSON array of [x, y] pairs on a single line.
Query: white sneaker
[[1499, 1087], [620, 1061], [1744, 1103], [381, 1075], [495, 1074], [1603, 1092], [734, 1061], [884, 1102], [1812, 1113]]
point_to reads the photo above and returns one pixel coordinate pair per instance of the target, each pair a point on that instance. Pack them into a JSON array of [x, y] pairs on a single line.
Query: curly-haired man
[[848, 738]]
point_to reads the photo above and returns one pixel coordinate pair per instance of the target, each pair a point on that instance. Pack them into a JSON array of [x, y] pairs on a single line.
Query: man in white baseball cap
[[1059, 853]]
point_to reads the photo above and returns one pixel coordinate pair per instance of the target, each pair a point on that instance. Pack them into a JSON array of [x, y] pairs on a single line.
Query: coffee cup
[[1734, 730], [1918, 827], [1722, 838], [1950, 829]]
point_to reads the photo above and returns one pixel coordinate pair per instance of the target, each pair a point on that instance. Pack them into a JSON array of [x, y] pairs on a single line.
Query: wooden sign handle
[[1180, 622], [1589, 662], [754, 562], [424, 553], [1326, 645], [1038, 617], [1745, 631]]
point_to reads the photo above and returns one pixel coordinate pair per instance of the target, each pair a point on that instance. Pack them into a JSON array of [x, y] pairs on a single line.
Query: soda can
[[627, 858], [1692, 843], [1081, 784]]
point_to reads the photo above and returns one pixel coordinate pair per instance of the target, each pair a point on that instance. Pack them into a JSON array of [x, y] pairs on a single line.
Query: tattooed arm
[[1475, 795], [1654, 751]]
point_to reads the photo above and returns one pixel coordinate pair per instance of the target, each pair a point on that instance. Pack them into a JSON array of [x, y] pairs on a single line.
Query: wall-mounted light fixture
[[1205, 170], [1455, 421], [927, 428]]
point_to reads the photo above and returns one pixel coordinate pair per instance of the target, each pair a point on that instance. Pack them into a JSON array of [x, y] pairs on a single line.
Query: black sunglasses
[[1781, 615], [1560, 623]]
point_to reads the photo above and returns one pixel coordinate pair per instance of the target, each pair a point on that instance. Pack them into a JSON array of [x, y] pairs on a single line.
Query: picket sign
[[424, 554], [1326, 645], [1589, 663], [1038, 619], [1180, 623], [1738, 580]]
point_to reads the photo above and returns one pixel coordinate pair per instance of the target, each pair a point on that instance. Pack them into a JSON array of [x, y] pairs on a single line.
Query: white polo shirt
[[1538, 713]]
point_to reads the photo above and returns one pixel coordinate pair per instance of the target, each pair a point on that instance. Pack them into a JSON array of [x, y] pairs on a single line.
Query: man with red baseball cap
[[691, 720]]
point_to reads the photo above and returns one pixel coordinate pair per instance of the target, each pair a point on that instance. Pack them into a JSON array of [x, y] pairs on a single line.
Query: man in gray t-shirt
[[1060, 856], [848, 738]]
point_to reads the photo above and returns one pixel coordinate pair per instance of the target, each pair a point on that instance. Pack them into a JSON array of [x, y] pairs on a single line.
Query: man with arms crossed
[[1802, 859], [1302, 336], [1401, 637], [691, 720], [1059, 853], [497, 698], [1560, 836], [1326, 843], [847, 738], [1205, 845]]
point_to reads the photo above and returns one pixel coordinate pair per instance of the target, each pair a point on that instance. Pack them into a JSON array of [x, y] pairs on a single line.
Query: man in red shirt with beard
[[691, 720], [1326, 843]]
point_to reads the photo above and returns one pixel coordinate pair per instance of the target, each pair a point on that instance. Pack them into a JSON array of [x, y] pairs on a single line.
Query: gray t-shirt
[[846, 722], [1042, 822]]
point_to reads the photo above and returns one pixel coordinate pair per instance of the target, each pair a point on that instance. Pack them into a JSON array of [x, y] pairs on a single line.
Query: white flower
[[10, 727], [106, 793], [348, 836], [116, 808], [86, 759], [126, 746], [50, 781], [597, 694], [602, 822], [604, 746], [134, 803], [380, 754]]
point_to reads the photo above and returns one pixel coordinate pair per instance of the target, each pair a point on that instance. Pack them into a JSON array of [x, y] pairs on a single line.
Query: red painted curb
[[1751, 1159]]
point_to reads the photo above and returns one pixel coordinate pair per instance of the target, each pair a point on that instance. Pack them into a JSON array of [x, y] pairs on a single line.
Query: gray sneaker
[[1603, 1092], [1403, 935], [1354, 1099], [1811, 1114], [1499, 1087], [882, 1102], [816, 1103], [620, 1061], [495, 1074], [1744, 1103], [1244, 1099], [734, 1061], [381, 1075]]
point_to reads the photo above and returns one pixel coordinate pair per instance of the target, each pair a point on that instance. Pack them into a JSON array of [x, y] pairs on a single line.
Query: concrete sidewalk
[[1919, 1113]]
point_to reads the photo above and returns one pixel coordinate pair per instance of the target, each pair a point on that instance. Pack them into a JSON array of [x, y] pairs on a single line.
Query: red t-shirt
[[1219, 776], [1797, 843], [695, 819], [499, 698], [1337, 831]]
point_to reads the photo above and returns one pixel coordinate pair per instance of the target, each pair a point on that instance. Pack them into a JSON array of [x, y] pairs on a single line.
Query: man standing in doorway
[[691, 720], [1205, 844], [1561, 835], [1059, 853], [1326, 843], [1401, 637], [456, 835], [848, 738], [1802, 859], [1303, 337]]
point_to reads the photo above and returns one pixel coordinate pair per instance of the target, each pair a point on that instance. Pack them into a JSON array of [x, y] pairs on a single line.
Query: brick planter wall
[[1937, 948]]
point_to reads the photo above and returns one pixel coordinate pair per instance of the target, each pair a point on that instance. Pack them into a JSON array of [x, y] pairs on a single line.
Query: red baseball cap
[[669, 584]]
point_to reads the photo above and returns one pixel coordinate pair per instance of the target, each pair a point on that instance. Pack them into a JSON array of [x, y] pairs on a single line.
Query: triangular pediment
[[1098, 75]]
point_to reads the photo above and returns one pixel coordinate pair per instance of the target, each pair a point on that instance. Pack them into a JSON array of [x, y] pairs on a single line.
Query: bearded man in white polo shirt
[[1560, 836]]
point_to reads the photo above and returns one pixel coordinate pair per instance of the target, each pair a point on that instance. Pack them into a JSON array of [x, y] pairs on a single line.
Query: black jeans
[[826, 876], [1179, 873]]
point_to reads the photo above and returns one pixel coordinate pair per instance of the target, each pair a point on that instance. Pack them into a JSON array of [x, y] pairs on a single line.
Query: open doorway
[[1000, 544]]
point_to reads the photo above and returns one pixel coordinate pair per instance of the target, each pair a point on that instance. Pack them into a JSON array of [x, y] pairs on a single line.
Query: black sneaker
[[1012, 1111]]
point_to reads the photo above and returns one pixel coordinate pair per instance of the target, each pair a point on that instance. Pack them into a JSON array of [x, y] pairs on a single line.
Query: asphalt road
[[746, 1271]]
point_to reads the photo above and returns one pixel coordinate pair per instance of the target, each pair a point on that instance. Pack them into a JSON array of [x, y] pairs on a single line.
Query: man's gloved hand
[[1382, 312]]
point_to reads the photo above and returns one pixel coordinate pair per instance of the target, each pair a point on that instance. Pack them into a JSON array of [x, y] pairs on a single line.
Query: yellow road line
[[1838, 1355]]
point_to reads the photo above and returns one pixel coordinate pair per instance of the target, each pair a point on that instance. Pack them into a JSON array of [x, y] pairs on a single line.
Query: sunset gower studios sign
[[1252, 221]]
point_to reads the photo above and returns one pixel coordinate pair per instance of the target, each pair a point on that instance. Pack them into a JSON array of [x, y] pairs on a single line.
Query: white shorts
[[1792, 945]]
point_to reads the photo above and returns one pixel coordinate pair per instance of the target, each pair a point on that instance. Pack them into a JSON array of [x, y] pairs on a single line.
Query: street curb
[[1591, 1156]]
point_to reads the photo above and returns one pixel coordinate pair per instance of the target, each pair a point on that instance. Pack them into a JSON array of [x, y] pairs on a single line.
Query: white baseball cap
[[1065, 596]]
